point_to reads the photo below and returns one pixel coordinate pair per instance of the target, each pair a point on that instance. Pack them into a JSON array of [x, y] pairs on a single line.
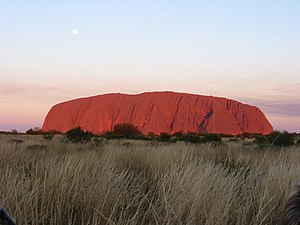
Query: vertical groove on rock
[[204, 122], [175, 114], [148, 113]]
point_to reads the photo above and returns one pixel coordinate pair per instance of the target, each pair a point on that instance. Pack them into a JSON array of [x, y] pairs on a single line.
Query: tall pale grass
[[144, 183]]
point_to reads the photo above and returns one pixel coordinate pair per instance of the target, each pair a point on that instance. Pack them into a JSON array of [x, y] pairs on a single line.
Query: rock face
[[158, 112]]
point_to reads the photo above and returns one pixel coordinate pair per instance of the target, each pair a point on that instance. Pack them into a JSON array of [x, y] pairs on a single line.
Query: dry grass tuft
[[134, 182]]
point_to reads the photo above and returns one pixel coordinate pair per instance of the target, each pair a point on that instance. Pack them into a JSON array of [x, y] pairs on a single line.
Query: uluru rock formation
[[158, 112]]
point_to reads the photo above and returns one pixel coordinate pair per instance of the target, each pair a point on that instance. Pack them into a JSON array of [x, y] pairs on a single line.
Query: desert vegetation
[[125, 181]]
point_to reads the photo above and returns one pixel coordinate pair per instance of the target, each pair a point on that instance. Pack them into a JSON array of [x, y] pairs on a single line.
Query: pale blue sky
[[245, 50]]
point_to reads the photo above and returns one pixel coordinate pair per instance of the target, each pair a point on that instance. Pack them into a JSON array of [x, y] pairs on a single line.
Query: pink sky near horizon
[[25, 103], [26, 96]]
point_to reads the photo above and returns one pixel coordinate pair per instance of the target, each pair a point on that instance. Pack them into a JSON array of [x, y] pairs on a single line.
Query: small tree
[[33, 131], [14, 131], [77, 135], [48, 136], [128, 130]]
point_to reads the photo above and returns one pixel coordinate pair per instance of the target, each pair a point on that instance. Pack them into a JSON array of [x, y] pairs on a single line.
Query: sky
[[243, 50]]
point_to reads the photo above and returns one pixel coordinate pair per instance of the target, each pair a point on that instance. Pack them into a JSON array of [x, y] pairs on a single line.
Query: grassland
[[138, 182]]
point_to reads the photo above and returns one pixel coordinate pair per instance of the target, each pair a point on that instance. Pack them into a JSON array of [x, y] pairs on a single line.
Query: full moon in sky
[[75, 31]]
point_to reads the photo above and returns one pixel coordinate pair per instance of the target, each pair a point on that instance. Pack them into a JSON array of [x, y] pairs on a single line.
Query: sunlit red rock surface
[[158, 112]]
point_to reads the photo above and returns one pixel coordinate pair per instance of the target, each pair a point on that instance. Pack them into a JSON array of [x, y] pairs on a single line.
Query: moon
[[75, 31]]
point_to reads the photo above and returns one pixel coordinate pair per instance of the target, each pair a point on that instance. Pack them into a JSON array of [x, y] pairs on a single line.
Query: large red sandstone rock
[[158, 112]]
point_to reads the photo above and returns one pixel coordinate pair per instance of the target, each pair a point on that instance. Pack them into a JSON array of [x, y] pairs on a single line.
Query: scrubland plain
[[140, 182]]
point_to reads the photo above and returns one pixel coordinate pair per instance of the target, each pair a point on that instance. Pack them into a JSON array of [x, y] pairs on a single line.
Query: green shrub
[[261, 140], [281, 138], [178, 134], [247, 135], [226, 135], [173, 139], [211, 138], [127, 130], [190, 137], [48, 136], [141, 137], [164, 136], [77, 135], [151, 135], [112, 135]]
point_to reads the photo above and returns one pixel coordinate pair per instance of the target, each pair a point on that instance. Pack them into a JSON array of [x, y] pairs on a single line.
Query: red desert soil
[[158, 112]]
